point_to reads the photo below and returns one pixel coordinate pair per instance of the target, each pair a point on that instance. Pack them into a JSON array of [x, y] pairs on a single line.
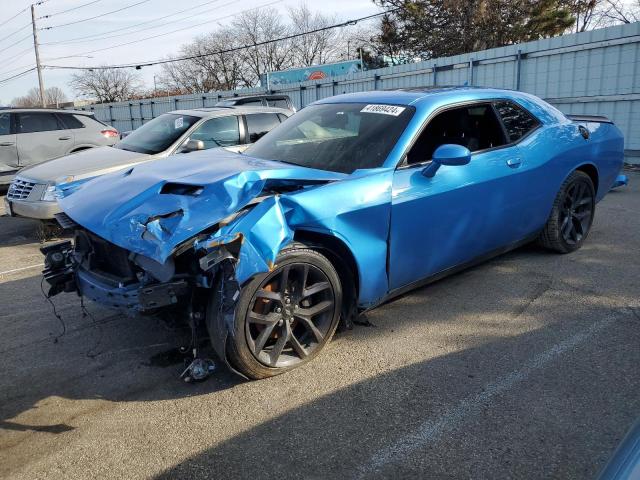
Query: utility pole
[[35, 46]]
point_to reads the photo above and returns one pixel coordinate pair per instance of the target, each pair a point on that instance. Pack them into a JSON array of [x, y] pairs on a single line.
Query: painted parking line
[[6, 272], [452, 417]]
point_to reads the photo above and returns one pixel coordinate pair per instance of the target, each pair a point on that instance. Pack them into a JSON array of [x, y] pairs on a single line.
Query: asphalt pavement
[[527, 366]]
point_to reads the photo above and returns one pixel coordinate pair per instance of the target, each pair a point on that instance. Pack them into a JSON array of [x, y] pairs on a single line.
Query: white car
[[30, 136], [32, 193]]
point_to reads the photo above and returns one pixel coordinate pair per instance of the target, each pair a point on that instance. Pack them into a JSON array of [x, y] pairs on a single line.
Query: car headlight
[[49, 194]]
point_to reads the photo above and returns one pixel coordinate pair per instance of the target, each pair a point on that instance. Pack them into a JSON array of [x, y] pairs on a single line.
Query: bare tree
[[257, 26], [616, 11], [106, 84], [53, 97], [211, 70], [320, 47]]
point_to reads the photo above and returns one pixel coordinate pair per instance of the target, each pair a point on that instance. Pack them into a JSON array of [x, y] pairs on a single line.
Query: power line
[[18, 55], [16, 43], [15, 16], [16, 31], [21, 67], [5, 80], [99, 36], [189, 27], [69, 9], [229, 50], [97, 16]]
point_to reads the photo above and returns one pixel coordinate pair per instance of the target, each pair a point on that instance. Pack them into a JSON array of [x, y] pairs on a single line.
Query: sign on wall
[[316, 72]]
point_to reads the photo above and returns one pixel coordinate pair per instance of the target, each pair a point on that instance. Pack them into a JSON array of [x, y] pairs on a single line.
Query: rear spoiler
[[589, 118]]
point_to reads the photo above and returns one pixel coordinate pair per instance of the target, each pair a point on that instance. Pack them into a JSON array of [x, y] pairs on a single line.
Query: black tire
[[571, 216], [254, 345]]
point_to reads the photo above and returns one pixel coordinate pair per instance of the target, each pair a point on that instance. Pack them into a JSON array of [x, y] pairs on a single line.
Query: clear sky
[[17, 58]]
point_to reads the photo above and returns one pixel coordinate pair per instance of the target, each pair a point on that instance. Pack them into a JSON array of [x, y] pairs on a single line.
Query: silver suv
[[32, 193], [31, 136]]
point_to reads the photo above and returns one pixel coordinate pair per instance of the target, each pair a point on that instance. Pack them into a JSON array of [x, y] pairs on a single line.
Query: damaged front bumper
[[64, 273], [130, 284]]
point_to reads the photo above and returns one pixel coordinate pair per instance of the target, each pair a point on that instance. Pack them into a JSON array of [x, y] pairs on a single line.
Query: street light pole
[[35, 46]]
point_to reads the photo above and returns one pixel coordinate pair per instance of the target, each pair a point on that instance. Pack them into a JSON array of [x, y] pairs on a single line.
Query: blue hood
[[151, 208]]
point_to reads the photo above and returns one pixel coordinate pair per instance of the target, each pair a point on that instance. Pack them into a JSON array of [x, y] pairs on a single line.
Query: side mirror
[[448, 154], [192, 146]]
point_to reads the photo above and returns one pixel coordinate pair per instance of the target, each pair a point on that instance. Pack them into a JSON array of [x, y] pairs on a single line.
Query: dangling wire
[[85, 313], [55, 312]]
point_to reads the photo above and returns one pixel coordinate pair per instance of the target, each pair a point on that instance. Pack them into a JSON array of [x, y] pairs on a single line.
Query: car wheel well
[[592, 171], [342, 259]]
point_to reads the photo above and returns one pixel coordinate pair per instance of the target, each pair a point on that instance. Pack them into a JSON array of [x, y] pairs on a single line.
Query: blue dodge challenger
[[354, 200]]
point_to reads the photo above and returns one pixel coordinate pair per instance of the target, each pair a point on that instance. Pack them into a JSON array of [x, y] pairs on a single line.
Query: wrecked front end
[[207, 239]]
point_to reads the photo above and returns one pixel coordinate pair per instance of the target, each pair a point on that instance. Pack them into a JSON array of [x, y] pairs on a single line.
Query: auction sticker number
[[383, 109], [179, 123]]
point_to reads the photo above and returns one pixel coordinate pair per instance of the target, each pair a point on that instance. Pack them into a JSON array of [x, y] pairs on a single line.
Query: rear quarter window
[[70, 121], [516, 120], [279, 103]]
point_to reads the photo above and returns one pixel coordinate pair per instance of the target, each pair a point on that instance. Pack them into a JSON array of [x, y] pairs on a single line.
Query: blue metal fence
[[596, 72]]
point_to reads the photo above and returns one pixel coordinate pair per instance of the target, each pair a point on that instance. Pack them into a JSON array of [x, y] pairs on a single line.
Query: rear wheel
[[285, 317], [571, 216]]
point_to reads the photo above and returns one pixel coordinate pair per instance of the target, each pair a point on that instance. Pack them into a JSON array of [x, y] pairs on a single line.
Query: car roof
[[411, 96], [207, 112], [46, 110]]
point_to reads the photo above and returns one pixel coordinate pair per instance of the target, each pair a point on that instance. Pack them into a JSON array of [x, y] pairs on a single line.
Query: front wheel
[[571, 216], [286, 316]]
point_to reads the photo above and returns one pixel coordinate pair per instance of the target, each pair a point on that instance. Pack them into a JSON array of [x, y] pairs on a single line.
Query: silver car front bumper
[[41, 210], [24, 199]]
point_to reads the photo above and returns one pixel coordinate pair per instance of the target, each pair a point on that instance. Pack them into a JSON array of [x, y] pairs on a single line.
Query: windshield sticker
[[383, 109], [179, 123]]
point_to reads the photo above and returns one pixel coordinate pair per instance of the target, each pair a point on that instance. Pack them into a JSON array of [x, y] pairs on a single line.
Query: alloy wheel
[[576, 213], [290, 315]]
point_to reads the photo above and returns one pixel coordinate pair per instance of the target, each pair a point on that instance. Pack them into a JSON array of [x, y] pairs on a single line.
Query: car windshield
[[340, 137], [158, 134]]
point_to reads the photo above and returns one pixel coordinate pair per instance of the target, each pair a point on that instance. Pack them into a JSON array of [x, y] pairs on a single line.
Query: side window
[[278, 102], [259, 124], [70, 121], [252, 102], [218, 132], [474, 126], [38, 122], [5, 123], [517, 121]]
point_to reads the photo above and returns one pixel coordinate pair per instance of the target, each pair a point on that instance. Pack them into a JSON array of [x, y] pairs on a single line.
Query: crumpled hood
[[90, 162], [153, 207]]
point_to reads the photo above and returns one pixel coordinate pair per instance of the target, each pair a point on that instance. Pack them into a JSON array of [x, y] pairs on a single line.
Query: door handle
[[514, 162], [7, 144], [64, 138]]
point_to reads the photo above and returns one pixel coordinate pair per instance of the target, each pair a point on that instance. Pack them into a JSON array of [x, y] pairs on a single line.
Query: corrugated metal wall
[[594, 72]]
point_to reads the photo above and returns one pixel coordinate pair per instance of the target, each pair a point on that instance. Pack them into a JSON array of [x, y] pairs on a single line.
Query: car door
[[461, 213], [41, 136], [218, 132], [82, 136], [8, 146]]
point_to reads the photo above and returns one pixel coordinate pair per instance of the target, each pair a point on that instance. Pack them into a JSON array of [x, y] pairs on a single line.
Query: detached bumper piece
[[59, 268]]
